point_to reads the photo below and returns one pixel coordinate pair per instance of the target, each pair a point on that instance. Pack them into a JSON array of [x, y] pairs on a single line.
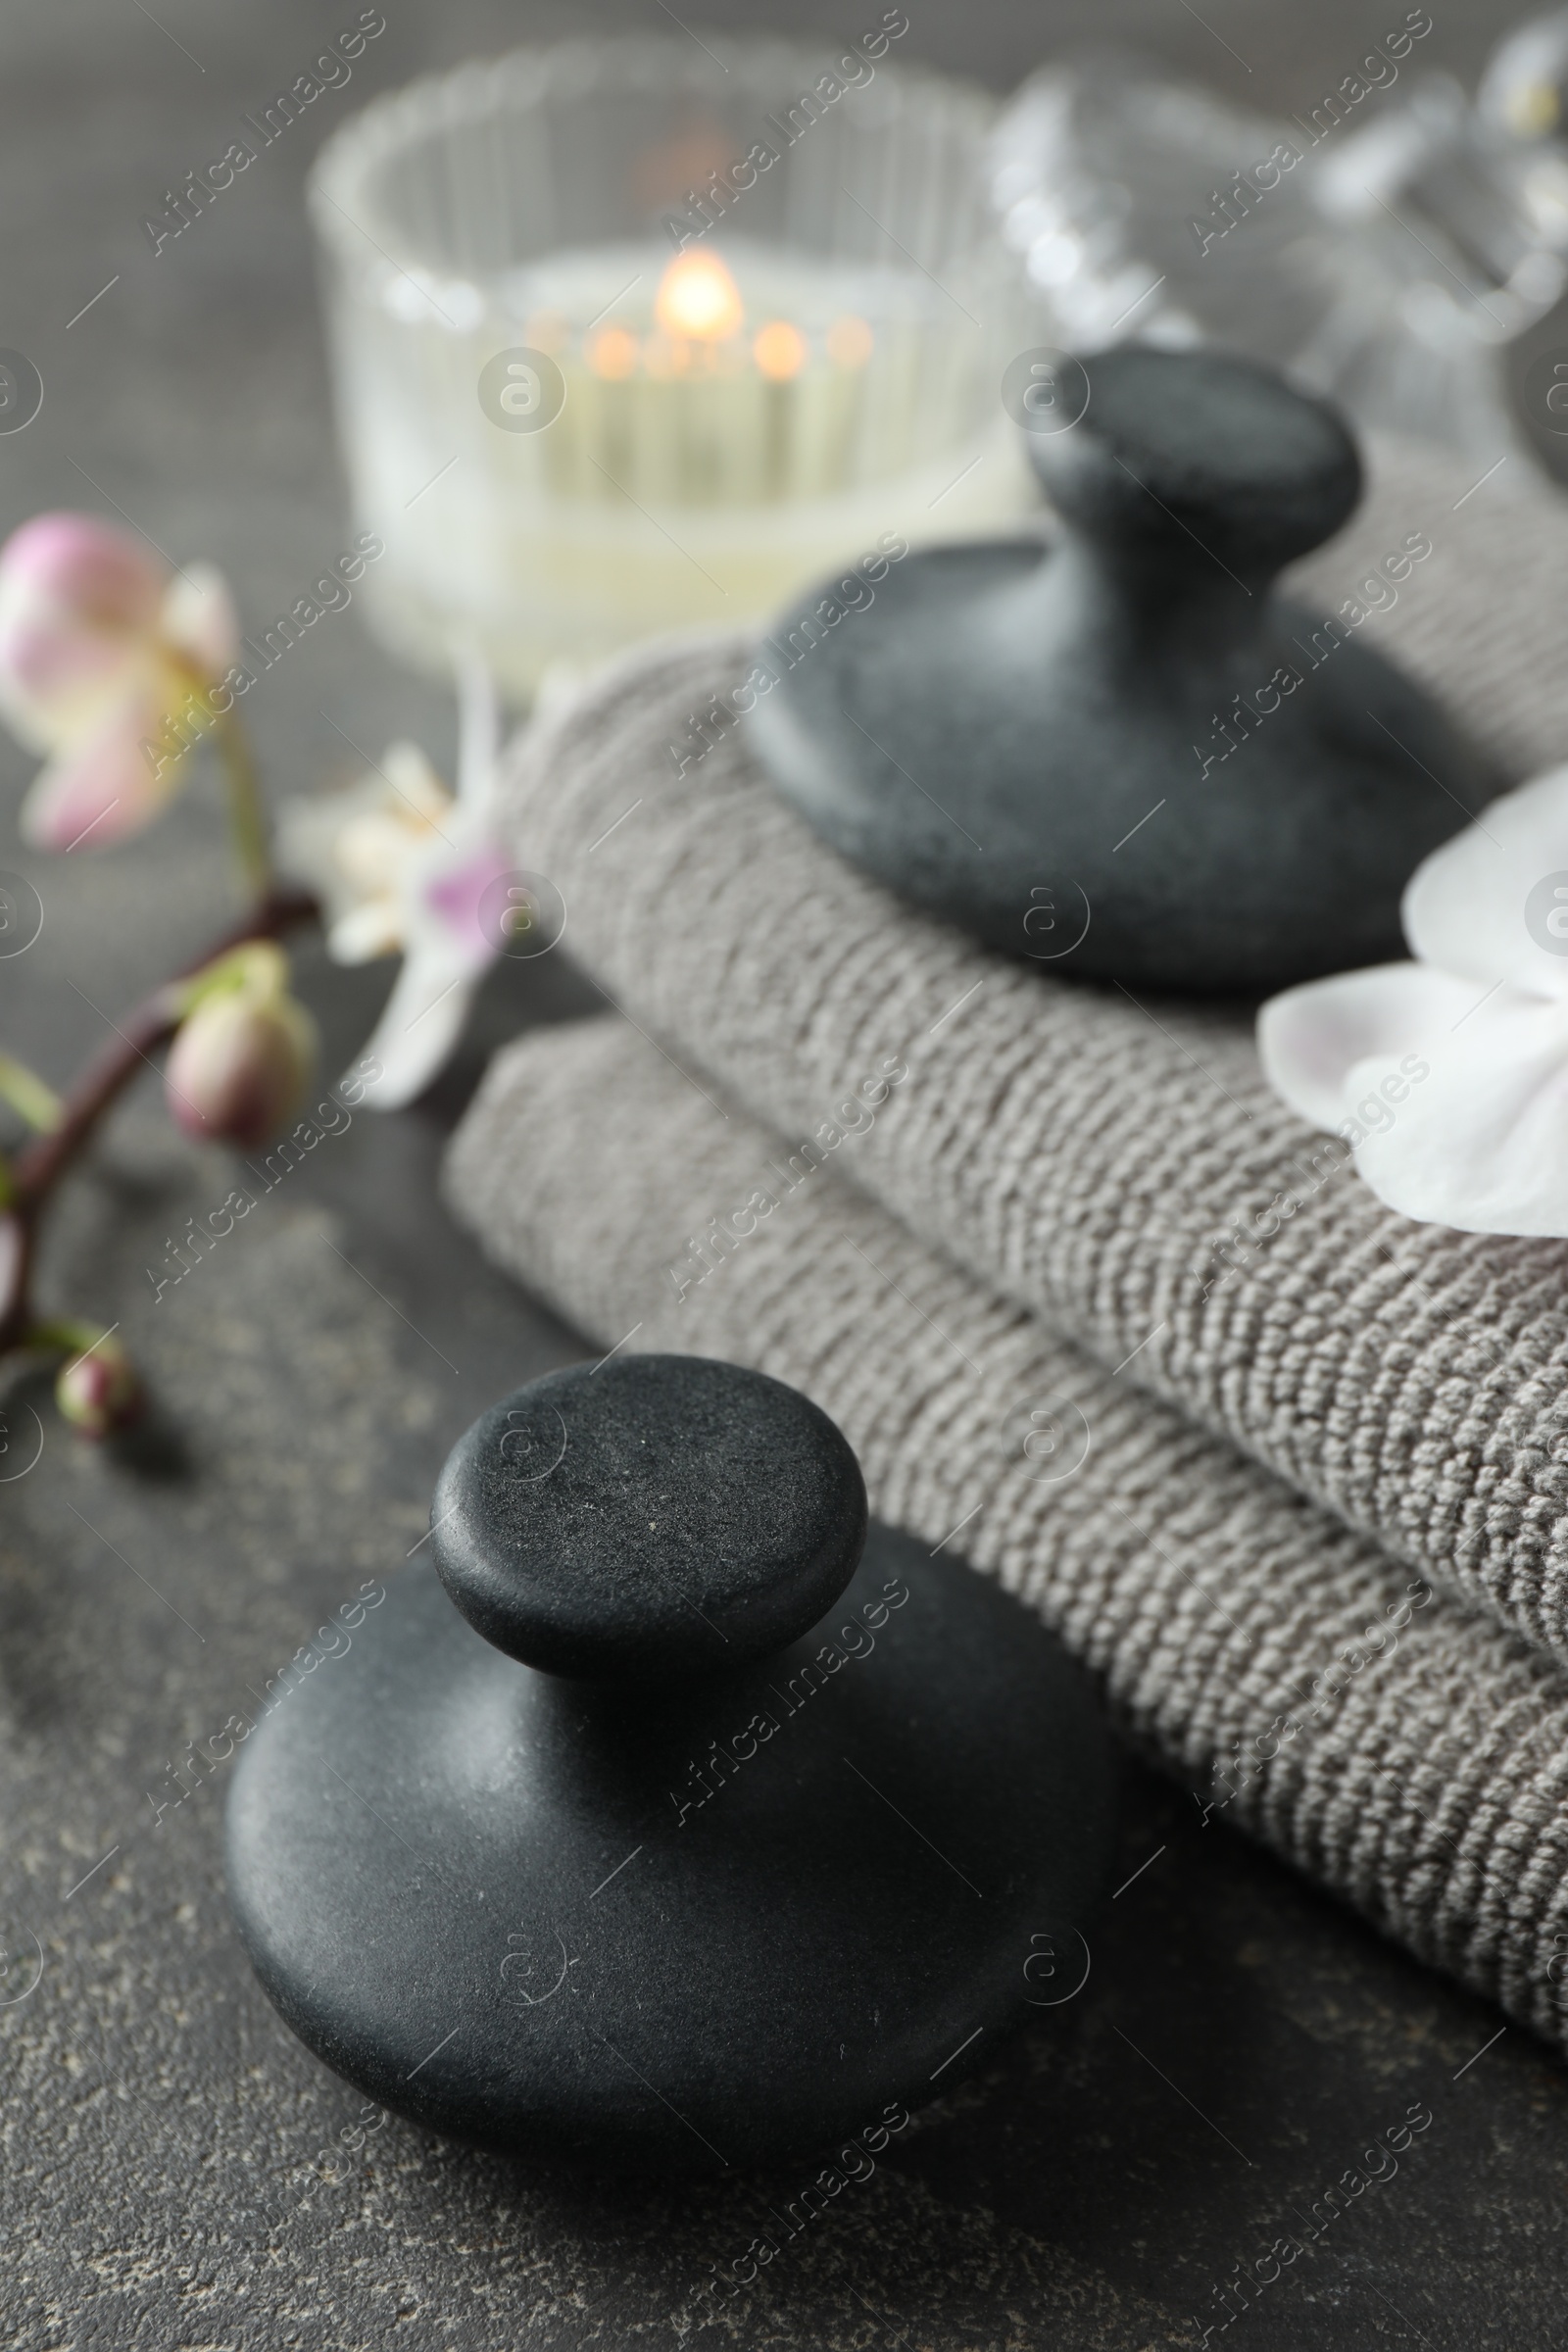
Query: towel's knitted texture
[[1408, 1755], [1091, 1157]]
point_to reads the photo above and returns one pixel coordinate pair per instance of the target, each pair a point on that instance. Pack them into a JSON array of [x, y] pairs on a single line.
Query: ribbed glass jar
[[634, 333]]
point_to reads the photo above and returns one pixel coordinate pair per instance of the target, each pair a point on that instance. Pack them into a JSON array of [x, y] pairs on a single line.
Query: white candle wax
[[732, 427]]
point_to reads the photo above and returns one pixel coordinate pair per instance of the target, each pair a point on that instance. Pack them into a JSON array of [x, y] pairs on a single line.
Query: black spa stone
[[1124, 754], [654, 1518], [802, 1835]]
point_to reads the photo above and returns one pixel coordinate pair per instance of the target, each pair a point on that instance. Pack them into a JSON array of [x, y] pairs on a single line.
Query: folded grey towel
[[1410, 1756], [1115, 1167]]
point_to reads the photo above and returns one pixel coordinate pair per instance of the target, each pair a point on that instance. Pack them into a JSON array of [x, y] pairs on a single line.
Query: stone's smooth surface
[[1044, 748], [656, 1516], [684, 1924], [1177, 443], [554, 1918]]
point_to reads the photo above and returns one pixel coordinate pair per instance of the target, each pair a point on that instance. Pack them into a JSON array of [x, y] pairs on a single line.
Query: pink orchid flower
[[1448, 1076], [101, 646]]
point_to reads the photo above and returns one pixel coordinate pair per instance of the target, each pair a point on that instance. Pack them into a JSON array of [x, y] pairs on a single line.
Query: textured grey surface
[[162, 2184]]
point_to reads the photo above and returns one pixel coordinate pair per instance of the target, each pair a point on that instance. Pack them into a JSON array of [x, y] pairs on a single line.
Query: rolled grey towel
[[1117, 1167], [1410, 1756]]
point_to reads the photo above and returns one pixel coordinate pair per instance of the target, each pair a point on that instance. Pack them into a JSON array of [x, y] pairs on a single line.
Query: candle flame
[[779, 350], [698, 298]]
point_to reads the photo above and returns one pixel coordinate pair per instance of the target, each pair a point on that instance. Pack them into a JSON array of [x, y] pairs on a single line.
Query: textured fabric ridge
[[1090, 1157], [1430, 1785]]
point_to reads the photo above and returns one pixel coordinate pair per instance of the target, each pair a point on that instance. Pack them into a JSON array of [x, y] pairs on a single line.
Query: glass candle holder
[[637, 333]]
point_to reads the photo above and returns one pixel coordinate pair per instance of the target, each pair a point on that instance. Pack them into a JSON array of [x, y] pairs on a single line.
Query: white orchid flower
[[1449, 1076], [402, 864]]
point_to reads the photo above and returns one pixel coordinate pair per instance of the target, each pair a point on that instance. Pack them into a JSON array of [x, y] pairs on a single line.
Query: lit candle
[[690, 392], [726, 427], [817, 365]]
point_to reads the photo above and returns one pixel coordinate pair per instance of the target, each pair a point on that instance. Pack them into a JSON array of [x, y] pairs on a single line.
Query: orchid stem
[[247, 815]]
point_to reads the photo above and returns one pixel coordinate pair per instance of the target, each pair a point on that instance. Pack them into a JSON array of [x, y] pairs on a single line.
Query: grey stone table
[[167, 2177]]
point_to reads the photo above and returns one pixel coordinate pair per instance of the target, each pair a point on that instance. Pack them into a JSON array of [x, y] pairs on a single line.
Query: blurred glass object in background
[[635, 333], [1384, 246]]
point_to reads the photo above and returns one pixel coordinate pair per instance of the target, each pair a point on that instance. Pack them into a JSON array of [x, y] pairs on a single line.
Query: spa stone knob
[[657, 1516], [1121, 754], [1204, 467]]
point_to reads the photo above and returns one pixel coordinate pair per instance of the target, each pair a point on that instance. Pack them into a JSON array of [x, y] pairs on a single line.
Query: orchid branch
[[117, 668], [36, 1174]]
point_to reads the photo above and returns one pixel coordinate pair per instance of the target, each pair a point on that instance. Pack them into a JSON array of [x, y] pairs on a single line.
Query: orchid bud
[[100, 1393], [244, 1052]]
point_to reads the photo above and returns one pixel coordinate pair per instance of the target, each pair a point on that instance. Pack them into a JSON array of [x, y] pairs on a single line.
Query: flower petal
[[1480, 1142], [417, 791], [449, 891], [306, 841], [365, 933], [199, 621], [79, 612], [1493, 903], [421, 1025], [355, 848], [1310, 1039], [106, 786], [84, 571]]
